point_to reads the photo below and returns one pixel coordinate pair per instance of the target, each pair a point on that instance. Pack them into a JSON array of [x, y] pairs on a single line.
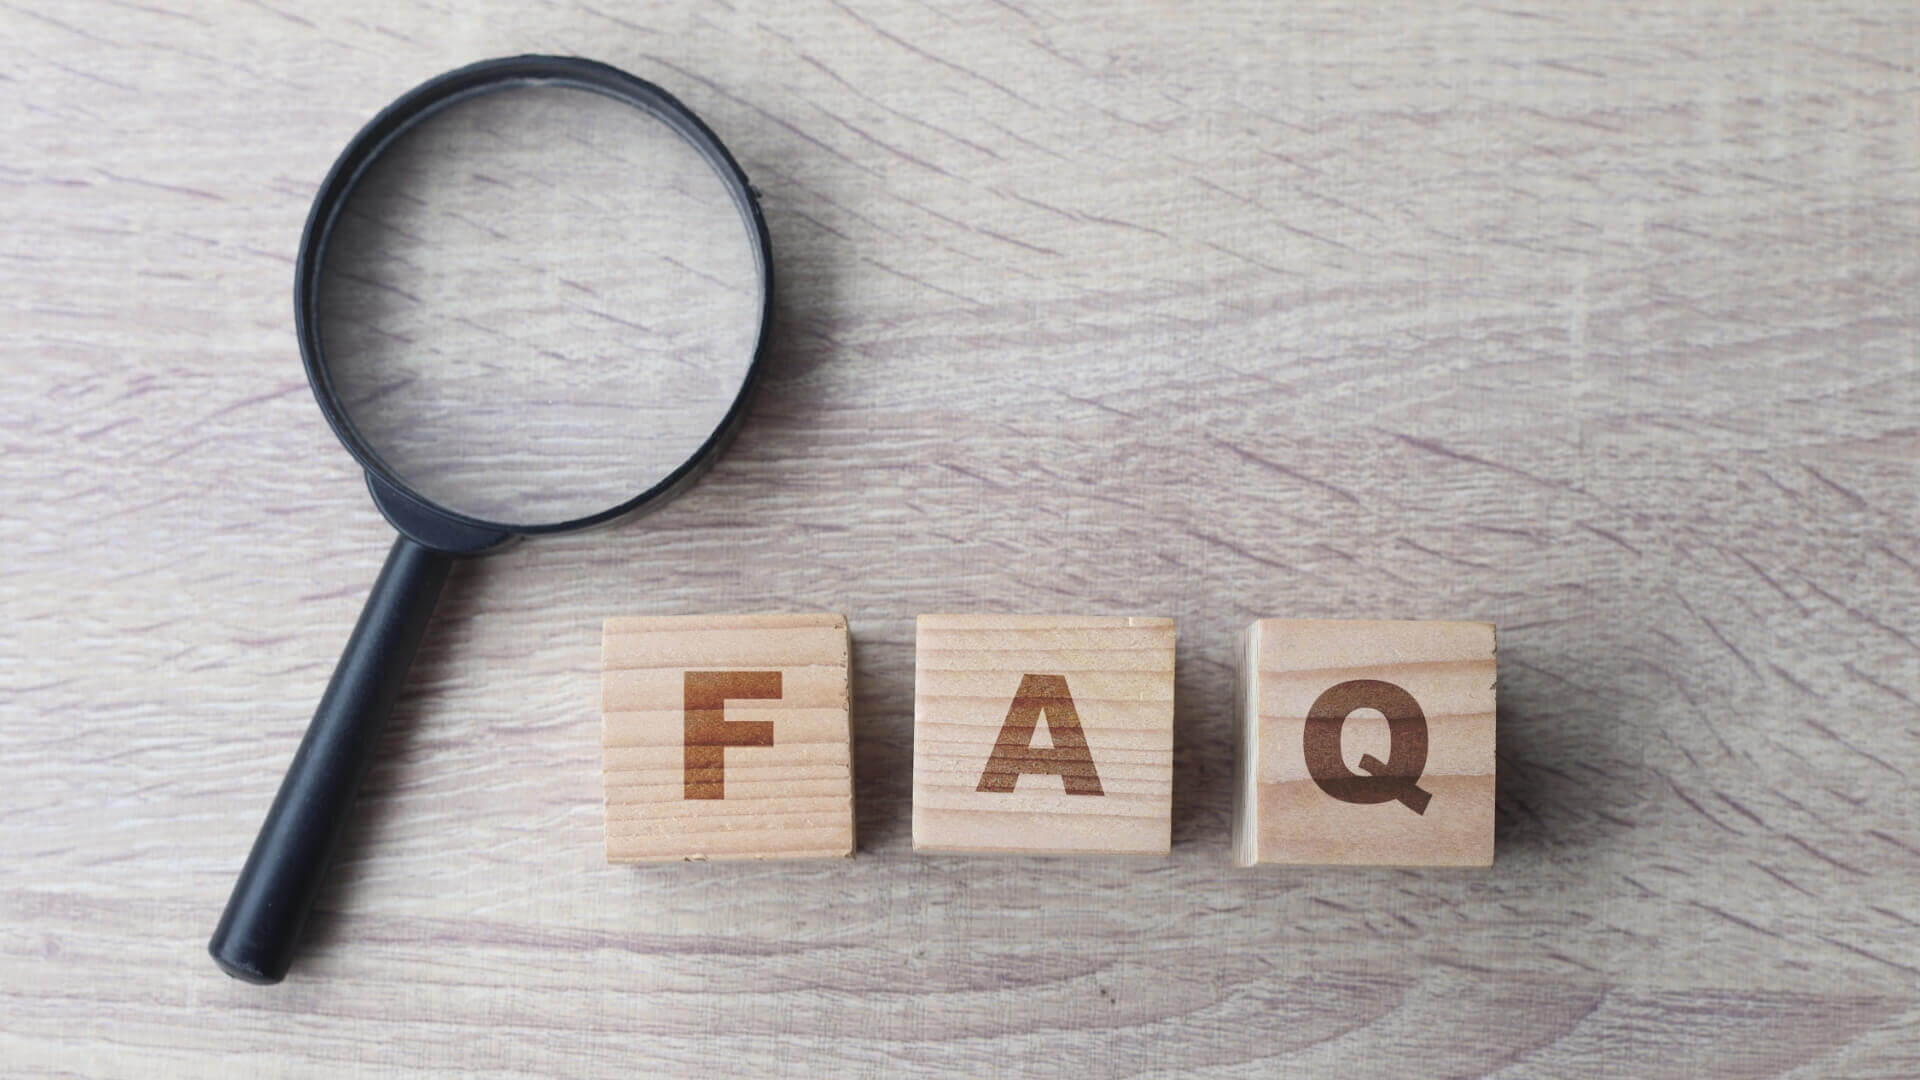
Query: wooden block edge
[[1003, 621], [745, 856], [1246, 837], [772, 620]]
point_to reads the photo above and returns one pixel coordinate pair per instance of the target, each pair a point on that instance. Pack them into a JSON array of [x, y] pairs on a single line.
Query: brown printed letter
[[1395, 779], [1014, 752], [709, 732]]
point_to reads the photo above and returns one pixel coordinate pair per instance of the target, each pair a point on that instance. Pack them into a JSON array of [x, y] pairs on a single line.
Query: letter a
[[1014, 752], [708, 732]]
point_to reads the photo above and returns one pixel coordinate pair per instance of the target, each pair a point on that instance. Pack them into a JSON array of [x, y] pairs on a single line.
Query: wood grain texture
[[1098, 782], [1596, 321], [726, 737], [1372, 798]]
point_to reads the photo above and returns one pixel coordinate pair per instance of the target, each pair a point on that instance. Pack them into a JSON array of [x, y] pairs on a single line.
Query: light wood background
[[1596, 321]]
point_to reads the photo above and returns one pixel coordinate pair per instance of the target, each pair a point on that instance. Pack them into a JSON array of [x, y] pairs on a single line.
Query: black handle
[[261, 926]]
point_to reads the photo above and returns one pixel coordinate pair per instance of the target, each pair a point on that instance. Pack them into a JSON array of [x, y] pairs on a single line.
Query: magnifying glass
[[531, 297]]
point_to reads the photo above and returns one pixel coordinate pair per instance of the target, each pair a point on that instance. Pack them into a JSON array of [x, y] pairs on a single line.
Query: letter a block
[[1043, 734], [1366, 743], [726, 737]]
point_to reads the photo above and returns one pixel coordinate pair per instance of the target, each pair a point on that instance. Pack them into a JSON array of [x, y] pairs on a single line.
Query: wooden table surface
[[1596, 321]]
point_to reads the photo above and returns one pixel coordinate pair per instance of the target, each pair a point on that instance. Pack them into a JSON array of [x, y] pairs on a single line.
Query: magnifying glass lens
[[537, 303]]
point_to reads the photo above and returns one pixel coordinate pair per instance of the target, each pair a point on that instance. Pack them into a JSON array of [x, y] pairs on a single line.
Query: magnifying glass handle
[[258, 932]]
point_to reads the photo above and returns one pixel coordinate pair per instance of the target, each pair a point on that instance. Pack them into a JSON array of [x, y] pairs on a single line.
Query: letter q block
[[1040, 734], [726, 737], [1366, 743]]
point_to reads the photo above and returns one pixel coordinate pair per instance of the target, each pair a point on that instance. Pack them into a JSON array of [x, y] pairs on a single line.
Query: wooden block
[[726, 737], [1043, 734], [1366, 743]]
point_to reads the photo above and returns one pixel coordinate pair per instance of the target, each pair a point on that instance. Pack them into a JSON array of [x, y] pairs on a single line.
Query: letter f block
[[726, 737], [1040, 734], [1366, 743]]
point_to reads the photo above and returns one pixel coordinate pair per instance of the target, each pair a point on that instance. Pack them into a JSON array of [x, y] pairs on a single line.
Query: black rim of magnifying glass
[[489, 76]]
